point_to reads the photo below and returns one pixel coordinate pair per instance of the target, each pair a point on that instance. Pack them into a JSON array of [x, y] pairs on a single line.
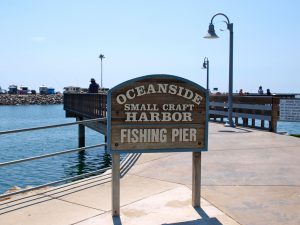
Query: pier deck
[[248, 177]]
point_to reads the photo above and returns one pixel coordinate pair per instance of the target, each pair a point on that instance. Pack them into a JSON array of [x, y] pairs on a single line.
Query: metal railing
[[67, 188], [84, 122]]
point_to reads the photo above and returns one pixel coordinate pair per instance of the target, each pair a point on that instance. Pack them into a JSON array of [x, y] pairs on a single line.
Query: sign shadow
[[205, 219]]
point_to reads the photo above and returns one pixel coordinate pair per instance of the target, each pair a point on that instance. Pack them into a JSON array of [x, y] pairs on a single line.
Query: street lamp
[[206, 66], [101, 56], [212, 35]]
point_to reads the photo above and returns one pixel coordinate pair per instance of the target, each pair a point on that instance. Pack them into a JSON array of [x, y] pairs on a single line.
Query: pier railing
[[18, 161], [85, 105], [260, 112], [127, 162], [250, 111]]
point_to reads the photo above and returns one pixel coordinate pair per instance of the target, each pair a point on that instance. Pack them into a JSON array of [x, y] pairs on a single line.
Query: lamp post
[[206, 66], [101, 56], [212, 35]]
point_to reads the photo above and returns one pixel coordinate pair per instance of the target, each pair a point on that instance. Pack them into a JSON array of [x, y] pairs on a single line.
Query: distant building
[[84, 90], [2, 91], [23, 90], [51, 91], [72, 89], [12, 89], [103, 90], [43, 90]]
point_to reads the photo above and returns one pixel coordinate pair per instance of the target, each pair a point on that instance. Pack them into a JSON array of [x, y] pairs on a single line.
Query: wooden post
[[105, 141], [253, 122], [245, 122], [115, 184], [81, 134], [196, 179], [262, 124], [274, 117]]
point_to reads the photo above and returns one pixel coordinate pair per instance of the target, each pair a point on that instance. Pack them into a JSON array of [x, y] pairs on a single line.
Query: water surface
[[28, 144]]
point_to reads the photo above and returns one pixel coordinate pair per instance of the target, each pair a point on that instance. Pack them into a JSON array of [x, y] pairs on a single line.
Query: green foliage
[[296, 135]]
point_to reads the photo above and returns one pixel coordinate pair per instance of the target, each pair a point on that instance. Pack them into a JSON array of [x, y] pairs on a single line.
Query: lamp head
[[211, 34], [204, 65]]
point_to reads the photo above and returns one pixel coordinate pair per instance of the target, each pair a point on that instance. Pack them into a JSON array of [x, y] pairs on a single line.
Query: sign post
[[115, 184], [157, 113], [196, 179]]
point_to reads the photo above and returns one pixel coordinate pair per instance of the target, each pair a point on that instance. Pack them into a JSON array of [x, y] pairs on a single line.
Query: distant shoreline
[[7, 99]]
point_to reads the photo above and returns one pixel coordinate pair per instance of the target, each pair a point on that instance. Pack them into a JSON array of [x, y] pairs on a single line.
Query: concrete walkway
[[248, 177]]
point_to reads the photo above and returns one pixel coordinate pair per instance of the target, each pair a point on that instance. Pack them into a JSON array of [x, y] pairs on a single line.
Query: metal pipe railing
[[50, 155], [124, 166], [51, 126]]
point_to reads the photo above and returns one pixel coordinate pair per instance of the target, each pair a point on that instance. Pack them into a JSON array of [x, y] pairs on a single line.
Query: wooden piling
[[81, 133]]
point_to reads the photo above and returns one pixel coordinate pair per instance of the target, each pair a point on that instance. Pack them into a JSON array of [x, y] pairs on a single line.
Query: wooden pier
[[86, 106], [248, 111], [261, 112]]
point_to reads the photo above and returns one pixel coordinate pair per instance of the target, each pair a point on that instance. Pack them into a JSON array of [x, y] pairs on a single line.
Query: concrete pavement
[[248, 177]]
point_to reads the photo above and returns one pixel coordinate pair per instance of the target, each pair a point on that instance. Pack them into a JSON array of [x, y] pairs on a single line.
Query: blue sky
[[57, 43]]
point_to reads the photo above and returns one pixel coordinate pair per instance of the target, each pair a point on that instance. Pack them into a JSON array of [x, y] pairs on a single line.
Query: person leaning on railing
[[93, 88]]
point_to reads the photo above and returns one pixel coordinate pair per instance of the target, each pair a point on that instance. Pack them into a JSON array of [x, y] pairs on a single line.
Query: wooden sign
[[157, 113]]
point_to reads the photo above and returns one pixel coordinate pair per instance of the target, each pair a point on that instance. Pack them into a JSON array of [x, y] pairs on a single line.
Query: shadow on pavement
[[205, 220]]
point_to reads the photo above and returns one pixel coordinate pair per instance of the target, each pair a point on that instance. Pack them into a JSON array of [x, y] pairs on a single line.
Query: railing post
[[253, 122], [262, 124], [245, 122], [81, 133], [236, 121], [105, 140], [275, 114]]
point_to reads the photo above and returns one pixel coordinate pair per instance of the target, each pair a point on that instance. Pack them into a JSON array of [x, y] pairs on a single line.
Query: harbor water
[[34, 143]]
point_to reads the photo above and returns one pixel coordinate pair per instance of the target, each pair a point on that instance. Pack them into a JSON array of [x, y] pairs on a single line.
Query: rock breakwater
[[6, 99]]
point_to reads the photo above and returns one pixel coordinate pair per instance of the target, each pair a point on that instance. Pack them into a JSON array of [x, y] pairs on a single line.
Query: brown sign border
[[114, 149]]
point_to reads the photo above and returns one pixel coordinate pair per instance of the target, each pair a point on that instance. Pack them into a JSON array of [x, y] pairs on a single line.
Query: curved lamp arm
[[220, 14], [229, 25]]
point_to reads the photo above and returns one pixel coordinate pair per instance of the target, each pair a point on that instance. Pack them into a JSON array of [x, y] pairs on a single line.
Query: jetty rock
[[7, 99]]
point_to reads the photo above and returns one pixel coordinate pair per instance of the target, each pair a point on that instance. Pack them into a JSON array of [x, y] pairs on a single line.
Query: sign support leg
[[115, 184], [196, 179]]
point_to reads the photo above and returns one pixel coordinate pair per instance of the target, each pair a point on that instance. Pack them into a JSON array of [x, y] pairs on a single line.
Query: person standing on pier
[[260, 90], [93, 88]]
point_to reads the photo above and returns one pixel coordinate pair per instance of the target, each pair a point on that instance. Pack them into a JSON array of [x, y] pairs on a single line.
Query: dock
[[249, 176]]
